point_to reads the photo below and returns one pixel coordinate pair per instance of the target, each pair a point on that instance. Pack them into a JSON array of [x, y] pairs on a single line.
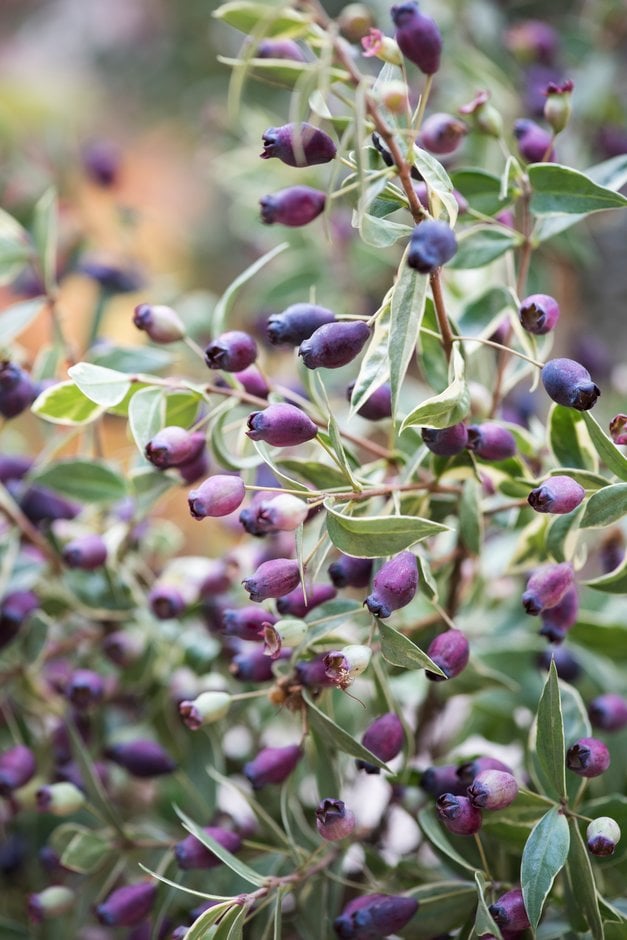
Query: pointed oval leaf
[[581, 877], [221, 309], [605, 506], [199, 930], [376, 536], [436, 834], [406, 313], [374, 370], [559, 189], [45, 235], [484, 922], [104, 386], [336, 736], [146, 415], [248, 17], [613, 583], [86, 480], [547, 740], [399, 650], [481, 245], [569, 439], [64, 403], [17, 317], [544, 856], [438, 181], [609, 453], [235, 864]]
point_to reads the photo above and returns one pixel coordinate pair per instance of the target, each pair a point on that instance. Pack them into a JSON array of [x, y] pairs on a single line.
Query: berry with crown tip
[[274, 578], [588, 757], [204, 709], [247, 623], [431, 245], [470, 769], [281, 425], [608, 712], [602, 836], [558, 495], [418, 36], [283, 512], [252, 666], [546, 587], [442, 133], [297, 604], [218, 495], [17, 390], [458, 814], [492, 789], [272, 765], [373, 916], [376, 44], [450, 651], [141, 758], [355, 20], [296, 206], [123, 647], [534, 143], [343, 666], [446, 442], [15, 609], [533, 40], [288, 632], [394, 586], [51, 902], [312, 673], [86, 552], [558, 104], [384, 738], [60, 799], [557, 620], [378, 406], [618, 429], [491, 441], [128, 905], [508, 911], [539, 313], [161, 323], [334, 345], [173, 446], [17, 767], [232, 351], [166, 601], [279, 49], [569, 383], [484, 116], [192, 855], [298, 145], [350, 572], [333, 820], [296, 323]]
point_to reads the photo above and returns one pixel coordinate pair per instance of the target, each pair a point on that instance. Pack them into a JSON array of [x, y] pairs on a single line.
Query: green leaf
[[576, 725], [544, 856], [444, 905], [605, 506], [379, 233], [262, 18], [17, 317], [399, 650], [435, 833], [376, 536], [484, 922], [146, 415], [321, 475], [562, 535], [581, 878], [104, 386], [235, 864], [147, 485], [433, 360], [569, 439], [470, 518], [81, 849], [36, 636], [438, 181], [231, 925], [64, 403], [407, 309], [481, 315], [449, 407], [609, 453], [611, 173], [326, 728], [90, 481], [45, 236], [481, 189], [222, 307], [228, 452], [324, 766], [547, 740], [557, 189], [374, 370], [131, 359], [181, 407], [199, 930], [613, 583], [15, 247], [481, 245]]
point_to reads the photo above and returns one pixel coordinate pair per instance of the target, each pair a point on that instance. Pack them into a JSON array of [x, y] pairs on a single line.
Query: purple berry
[[112, 278], [253, 666], [85, 689], [418, 36], [195, 469], [334, 345], [442, 133], [533, 40], [431, 245], [17, 767], [128, 905], [378, 406], [297, 323], [490, 441], [312, 673], [166, 601], [295, 206], [41, 505], [469, 770], [17, 390], [449, 651], [232, 351], [394, 586], [273, 578], [350, 572], [281, 425], [539, 313], [272, 765], [458, 814], [558, 495], [101, 162], [508, 911], [546, 587], [279, 49], [446, 442], [15, 609], [444, 779], [281, 513], [557, 620], [608, 712], [87, 552], [384, 738], [161, 323], [373, 916], [247, 623], [253, 382], [14, 467], [567, 666], [333, 820], [298, 145], [218, 495], [141, 758], [191, 854], [295, 604], [534, 143], [493, 789], [173, 446], [588, 757]]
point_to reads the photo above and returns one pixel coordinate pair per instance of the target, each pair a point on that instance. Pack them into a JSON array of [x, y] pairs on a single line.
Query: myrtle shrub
[[387, 694]]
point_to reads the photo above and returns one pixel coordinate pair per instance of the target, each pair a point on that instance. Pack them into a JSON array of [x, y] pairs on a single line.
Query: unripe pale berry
[[508, 911], [588, 757], [232, 351], [273, 578], [395, 585], [355, 20], [295, 206], [283, 512], [608, 712], [559, 494], [51, 902], [558, 104], [288, 632], [493, 789], [568, 383], [333, 820], [60, 799], [486, 119], [449, 651], [442, 133], [218, 495], [384, 738], [602, 836], [458, 814], [281, 425], [376, 44], [272, 765], [343, 666], [546, 587], [446, 442], [431, 245], [539, 313], [418, 36], [161, 323], [298, 145], [205, 709], [372, 916], [334, 345], [490, 441]]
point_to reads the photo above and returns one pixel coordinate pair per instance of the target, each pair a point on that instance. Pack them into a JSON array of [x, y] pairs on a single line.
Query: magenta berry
[[394, 586], [297, 323], [85, 689], [17, 767], [350, 572], [272, 765], [373, 916], [431, 245], [274, 578], [568, 383], [17, 390], [15, 609], [281, 425], [384, 738], [218, 495], [296, 604], [161, 323], [86, 552], [252, 666], [232, 351], [173, 446], [602, 836], [378, 406], [442, 133], [247, 623], [334, 345], [253, 381], [269, 513], [508, 911], [333, 820], [559, 494], [298, 145], [295, 206], [141, 758], [557, 620], [546, 587], [469, 770], [458, 814], [493, 789], [41, 505], [166, 601], [312, 673], [534, 143], [449, 651], [490, 441], [279, 49], [618, 429], [418, 36], [128, 905], [191, 854], [608, 712], [588, 757], [539, 313], [446, 442]]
